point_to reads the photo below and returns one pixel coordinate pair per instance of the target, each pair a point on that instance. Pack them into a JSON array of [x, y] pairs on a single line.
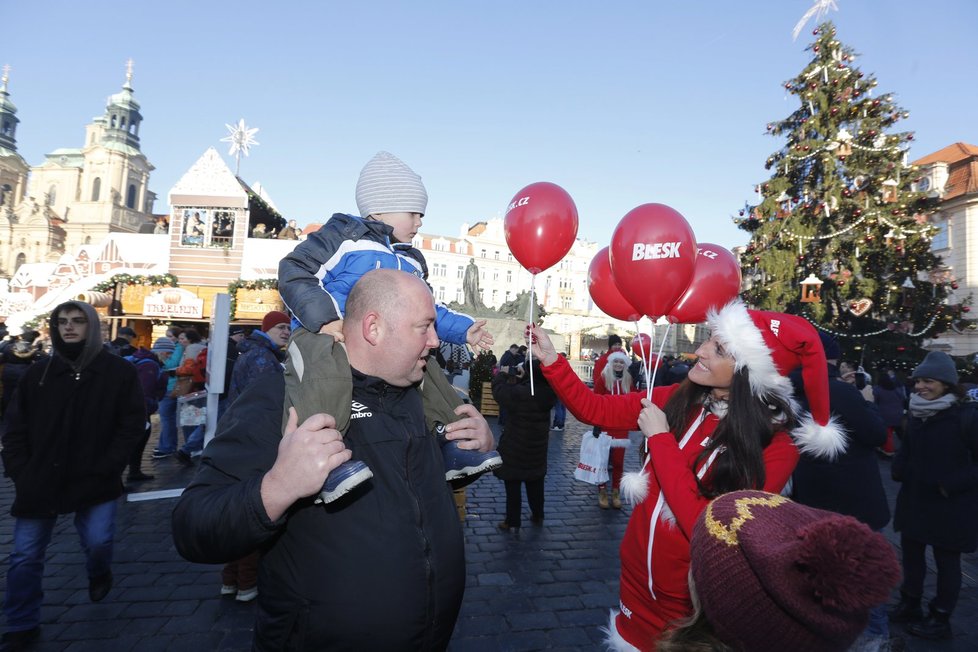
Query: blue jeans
[[168, 426], [560, 414], [195, 442], [22, 604]]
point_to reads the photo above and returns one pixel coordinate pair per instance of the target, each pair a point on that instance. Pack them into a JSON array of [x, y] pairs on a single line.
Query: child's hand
[[334, 328], [478, 337]]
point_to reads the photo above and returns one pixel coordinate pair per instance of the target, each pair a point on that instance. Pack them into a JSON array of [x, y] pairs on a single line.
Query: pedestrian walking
[[68, 434], [937, 506]]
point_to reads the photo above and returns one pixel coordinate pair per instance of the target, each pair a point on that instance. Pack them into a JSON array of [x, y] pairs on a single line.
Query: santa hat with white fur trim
[[770, 345]]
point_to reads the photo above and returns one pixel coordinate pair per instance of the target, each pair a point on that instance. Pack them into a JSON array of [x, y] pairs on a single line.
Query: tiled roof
[[950, 154], [962, 168]]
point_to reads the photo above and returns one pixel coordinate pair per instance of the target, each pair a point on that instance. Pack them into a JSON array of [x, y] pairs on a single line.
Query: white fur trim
[[826, 441], [666, 514], [742, 340], [612, 639], [635, 487]]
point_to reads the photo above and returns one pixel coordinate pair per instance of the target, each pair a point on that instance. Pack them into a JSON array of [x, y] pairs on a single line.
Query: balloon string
[[529, 349], [665, 336], [641, 348], [648, 363]]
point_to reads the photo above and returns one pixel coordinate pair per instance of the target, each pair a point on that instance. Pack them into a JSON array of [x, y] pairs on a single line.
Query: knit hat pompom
[[771, 574], [848, 568]]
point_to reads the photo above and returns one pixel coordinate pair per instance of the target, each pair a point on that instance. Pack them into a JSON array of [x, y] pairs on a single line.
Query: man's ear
[[371, 328]]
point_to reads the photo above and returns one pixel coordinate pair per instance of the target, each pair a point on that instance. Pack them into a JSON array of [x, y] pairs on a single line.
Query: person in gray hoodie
[[69, 431]]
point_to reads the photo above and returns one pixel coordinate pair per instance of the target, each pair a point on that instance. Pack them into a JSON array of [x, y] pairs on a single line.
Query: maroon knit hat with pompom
[[775, 575]]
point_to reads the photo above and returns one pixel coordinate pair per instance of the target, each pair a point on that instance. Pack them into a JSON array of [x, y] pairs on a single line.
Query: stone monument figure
[[470, 286]]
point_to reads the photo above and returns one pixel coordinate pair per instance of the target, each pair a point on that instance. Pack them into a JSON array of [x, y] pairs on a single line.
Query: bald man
[[385, 570]]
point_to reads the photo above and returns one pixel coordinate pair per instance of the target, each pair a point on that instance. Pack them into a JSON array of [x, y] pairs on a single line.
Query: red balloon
[[606, 295], [540, 225], [716, 281], [653, 252], [642, 346]]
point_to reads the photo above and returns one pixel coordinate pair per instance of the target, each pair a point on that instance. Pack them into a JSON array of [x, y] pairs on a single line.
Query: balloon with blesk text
[[716, 282], [540, 225], [606, 295], [653, 252]]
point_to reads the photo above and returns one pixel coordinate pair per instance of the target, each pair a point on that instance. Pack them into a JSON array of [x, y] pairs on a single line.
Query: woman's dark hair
[[885, 381], [176, 330], [192, 335], [744, 432], [957, 389]]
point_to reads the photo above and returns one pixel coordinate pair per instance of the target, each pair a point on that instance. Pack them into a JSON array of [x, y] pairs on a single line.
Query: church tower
[[13, 168], [78, 196]]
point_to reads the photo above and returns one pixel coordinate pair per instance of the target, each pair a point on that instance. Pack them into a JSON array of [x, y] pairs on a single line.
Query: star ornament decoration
[[241, 137]]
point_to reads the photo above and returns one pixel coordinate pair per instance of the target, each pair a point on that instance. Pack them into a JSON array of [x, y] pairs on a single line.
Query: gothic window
[[122, 122], [21, 259], [131, 196], [52, 195], [96, 188], [113, 121]]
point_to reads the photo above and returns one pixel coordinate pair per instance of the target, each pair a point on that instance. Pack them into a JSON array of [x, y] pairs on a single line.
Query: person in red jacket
[[615, 380], [614, 344], [723, 429]]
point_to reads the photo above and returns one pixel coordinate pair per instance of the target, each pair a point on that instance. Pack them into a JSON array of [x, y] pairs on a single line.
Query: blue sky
[[621, 103]]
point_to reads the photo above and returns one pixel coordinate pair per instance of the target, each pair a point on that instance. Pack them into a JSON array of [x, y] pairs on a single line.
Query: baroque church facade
[[76, 196]]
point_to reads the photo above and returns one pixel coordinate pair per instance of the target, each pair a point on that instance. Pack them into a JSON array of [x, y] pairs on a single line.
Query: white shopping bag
[[593, 467]]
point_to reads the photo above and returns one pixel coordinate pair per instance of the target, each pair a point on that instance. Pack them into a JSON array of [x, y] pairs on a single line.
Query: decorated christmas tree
[[839, 232]]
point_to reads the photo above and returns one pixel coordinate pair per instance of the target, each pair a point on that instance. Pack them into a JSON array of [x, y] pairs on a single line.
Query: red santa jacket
[[655, 548]]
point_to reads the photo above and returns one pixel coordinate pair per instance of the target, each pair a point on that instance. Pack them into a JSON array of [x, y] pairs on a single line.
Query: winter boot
[[935, 627], [461, 463], [603, 498], [907, 610], [615, 499]]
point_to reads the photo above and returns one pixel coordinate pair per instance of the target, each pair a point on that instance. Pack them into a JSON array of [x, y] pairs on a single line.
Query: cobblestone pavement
[[543, 587]]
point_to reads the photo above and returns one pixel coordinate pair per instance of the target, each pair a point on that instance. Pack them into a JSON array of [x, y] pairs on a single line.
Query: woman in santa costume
[[725, 428], [617, 380]]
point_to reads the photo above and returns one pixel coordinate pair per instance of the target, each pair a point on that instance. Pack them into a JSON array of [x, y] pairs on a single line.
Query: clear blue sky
[[621, 103]]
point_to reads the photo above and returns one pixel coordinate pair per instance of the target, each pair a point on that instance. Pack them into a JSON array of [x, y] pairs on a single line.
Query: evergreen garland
[[259, 284], [162, 280]]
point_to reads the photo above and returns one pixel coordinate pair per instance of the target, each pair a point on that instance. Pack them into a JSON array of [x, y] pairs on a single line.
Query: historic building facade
[[950, 176], [77, 196]]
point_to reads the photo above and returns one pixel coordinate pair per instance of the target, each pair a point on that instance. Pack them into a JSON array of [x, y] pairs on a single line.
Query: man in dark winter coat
[[261, 352], [850, 484], [381, 568], [69, 432], [16, 358]]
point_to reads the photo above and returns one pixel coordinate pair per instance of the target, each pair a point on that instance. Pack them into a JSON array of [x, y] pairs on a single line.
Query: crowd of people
[[755, 516]]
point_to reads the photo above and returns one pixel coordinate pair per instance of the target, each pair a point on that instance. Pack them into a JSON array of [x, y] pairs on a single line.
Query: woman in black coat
[[523, 443], [938, 501]]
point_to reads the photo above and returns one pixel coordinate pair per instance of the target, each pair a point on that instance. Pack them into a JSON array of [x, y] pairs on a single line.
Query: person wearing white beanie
[[315, 280]]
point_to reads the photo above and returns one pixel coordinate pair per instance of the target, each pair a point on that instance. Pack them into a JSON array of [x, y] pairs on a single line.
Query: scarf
[[922, 408]]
